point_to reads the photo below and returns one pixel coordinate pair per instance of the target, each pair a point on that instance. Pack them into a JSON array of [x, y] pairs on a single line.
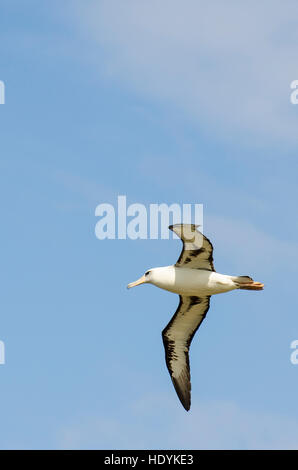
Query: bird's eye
[[146, 273]]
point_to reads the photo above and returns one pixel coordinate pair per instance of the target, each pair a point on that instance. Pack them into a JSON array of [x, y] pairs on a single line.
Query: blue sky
[[160, 102]]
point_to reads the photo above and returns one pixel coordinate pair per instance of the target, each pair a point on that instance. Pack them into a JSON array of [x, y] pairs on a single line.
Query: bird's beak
[[142, 280]]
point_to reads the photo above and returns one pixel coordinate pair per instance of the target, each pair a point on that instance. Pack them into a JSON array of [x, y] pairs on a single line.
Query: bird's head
[[146, 278]]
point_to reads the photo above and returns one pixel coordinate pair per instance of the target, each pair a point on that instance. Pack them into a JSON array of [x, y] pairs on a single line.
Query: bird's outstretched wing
[[197, 251], [177, 337]]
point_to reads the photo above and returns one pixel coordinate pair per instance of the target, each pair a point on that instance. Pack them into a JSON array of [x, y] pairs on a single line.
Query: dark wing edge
[[177, 337], [202, 254]]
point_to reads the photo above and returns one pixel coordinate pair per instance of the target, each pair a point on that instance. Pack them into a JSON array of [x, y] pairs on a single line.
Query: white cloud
[[237, 222], [226, 425], [250, 247], [228, 65], [211, 425]]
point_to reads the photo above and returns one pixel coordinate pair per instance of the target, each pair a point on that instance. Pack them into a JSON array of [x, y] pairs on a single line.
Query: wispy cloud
[[211, 425], [252, 248], [227, 65]]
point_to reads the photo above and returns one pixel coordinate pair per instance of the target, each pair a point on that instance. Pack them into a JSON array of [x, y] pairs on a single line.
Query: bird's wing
[[197, 251], [177, 337]]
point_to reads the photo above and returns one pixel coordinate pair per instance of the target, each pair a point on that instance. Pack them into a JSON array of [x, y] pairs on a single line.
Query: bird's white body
[[185, 281]]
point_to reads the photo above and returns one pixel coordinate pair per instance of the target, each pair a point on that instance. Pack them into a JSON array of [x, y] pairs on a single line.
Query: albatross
[[194, 279]]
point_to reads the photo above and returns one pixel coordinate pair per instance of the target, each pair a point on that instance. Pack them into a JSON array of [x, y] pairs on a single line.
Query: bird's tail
[[247, 283]]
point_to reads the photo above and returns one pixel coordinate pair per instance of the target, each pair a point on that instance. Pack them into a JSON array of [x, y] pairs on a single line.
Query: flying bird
[[194, 279]]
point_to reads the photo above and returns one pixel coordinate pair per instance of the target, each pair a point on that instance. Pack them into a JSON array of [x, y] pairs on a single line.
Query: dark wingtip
[[185, 399], [185, 404]]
